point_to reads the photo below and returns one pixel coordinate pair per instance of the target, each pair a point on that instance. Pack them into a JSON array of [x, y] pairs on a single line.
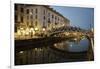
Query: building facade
[[39, 18]]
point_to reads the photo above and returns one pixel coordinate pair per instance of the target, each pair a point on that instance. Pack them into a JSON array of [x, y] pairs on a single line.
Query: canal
[[73, 50]]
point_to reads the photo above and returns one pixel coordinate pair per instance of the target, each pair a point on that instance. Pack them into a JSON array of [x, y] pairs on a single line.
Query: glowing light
[[75, 38], [41, 49], [67, 33], [27, 33], [19, 32], [21, 28], [43, 29], [63, 24], [71, 45], [30, 13], [21, 52], [75, 33], [27, 29], [55, 44], [23, 32], [36, 29], [31, 30], [35, 49], [92, 29]]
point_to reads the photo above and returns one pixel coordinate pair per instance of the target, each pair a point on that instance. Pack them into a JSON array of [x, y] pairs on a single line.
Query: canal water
[[67, 51]]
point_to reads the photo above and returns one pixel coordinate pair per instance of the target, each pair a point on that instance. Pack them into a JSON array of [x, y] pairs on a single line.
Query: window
[[36, 23], [31, 23], [44, 24], [31, 16], [27, 17], [35, 16], [36, 11], [32, 10], [22, 19], [58, 18], [55, 17], [48, 14], [48, 20], [27, 11], [44, 12], [48, 25], [27, 23], [22, 9], [44, 17], [52, 16], [55, 23]]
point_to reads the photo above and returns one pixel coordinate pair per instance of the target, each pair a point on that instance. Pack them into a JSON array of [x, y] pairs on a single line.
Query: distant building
[[38, 17]]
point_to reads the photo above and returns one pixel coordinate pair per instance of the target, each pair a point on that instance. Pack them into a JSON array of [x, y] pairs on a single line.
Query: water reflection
[[73, 46], [54, 54]]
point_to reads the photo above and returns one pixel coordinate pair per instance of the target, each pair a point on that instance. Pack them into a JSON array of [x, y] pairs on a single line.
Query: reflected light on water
[[55, 45], [56, 53], [21, 52], [35, 49], [71, 45], [75, 38]]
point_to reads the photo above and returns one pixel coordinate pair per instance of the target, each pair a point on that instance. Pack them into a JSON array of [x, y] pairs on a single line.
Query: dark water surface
[[66, 51]]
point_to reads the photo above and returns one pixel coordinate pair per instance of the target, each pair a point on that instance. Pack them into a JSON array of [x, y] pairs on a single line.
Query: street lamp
[[31, 29], [27, 33], [36, 29], [44, 29]]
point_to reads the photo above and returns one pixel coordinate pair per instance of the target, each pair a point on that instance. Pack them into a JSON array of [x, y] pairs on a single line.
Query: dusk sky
[[80, 17]]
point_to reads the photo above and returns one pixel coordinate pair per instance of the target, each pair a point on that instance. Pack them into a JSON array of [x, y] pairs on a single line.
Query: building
[[39, 18]]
